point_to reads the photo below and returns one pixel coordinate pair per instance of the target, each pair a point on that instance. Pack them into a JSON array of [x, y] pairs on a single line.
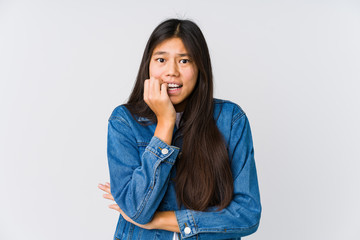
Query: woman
[[181, 162]]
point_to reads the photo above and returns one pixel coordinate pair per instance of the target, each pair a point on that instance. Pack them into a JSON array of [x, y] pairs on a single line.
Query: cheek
[[154, 71], [191, 77]]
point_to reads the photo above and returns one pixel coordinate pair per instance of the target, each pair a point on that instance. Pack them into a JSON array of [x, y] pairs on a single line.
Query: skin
[[164, 220], [170, 63]]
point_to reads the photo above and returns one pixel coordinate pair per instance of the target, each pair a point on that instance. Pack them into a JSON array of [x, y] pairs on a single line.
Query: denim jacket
[[142, 171]]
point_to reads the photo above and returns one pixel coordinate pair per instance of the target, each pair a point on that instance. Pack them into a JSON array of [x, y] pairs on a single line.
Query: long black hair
[[203, 173]]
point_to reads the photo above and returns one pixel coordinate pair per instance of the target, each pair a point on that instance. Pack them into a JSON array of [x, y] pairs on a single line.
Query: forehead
[[171, 45]]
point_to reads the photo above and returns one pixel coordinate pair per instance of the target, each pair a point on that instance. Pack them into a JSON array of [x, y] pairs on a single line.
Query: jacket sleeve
[[138, 183], [241, 217]]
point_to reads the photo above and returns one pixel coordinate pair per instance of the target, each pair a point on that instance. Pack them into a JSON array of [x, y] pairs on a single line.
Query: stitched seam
[[172, 163], [131, 230], [194, 221], [237, 117], [161, 159], [142, 206], [141, 230], [142, 144], [227, 229], [148, 194], [120, 119], [150, 150]]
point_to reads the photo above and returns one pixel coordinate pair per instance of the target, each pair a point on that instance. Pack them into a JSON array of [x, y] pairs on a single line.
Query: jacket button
[[187, 230], [164, 151]]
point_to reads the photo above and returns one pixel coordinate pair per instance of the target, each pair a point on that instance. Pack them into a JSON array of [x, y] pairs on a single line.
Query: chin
[[175, 101]]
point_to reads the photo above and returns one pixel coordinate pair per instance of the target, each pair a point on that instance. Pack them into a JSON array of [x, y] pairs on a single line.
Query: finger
[[104, 188], [107, 184], [115, 207], [154, 88], [164, 88], [146, 90], [108, 196]]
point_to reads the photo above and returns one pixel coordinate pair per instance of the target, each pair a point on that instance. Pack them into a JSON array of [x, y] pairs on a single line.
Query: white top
[[175, 237], [178, 117]]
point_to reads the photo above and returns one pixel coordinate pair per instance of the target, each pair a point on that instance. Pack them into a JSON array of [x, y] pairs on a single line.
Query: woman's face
[[171, 64]]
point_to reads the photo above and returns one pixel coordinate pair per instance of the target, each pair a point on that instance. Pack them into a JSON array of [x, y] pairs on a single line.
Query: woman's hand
[[165, 220], [106, 188], [157, 98], [159, 102]]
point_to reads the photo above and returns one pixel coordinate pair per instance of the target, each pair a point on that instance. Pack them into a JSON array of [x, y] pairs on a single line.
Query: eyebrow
[[179, 54]]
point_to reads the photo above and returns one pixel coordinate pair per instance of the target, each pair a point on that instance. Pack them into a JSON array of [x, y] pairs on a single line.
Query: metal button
[[187, 230], [164, 151]]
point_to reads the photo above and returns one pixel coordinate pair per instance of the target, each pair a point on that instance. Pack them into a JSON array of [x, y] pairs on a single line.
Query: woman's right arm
[[138, 182]]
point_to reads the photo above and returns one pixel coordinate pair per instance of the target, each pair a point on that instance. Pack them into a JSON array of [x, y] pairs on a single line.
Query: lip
[[174, 91], [178, 83]]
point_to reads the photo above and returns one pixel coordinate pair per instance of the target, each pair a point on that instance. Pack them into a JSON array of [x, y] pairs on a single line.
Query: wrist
[[168, 121], [164, 130], [165, 220], [156, 221]]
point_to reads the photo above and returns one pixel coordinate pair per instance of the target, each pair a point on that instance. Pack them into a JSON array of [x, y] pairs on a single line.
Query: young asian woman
[[181, 162]]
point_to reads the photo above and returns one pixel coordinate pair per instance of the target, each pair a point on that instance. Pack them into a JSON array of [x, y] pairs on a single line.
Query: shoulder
[[228, 109], [119, 112], [122, 114]]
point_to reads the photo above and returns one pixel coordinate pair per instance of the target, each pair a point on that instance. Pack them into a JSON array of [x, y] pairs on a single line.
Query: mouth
[[174, 86]]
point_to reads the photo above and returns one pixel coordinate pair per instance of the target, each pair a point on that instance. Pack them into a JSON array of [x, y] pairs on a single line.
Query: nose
[[172, 69]]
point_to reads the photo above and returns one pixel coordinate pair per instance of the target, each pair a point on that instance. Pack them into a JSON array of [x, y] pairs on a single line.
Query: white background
[[293, 66]]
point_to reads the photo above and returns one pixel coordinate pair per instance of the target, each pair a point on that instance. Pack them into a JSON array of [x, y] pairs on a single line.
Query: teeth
[[173, 85]]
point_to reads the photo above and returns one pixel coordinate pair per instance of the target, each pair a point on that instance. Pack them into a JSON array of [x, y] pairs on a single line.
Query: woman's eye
[[160, 60], [184, 60]]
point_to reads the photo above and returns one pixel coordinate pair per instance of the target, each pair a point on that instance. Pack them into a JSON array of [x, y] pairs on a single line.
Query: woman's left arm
[[242, 216]]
